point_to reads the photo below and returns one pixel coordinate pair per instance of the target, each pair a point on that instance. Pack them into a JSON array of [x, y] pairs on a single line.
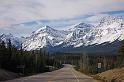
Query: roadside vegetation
[[5, 75], [25, 63], [116, 74]]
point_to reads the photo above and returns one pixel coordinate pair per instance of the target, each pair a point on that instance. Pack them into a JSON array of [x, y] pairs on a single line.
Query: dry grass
[[115, 75]]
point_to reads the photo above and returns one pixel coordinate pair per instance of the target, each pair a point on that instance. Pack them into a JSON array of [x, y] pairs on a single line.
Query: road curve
[[65, 74]]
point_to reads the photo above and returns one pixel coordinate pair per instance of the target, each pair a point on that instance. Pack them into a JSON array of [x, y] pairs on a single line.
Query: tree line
[[25, 62], [93, 63], [37, 61]]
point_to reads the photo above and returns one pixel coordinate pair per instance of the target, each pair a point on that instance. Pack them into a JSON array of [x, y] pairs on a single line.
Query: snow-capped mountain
[[14, 40], [77, 35], [109, 29], [44, 37]]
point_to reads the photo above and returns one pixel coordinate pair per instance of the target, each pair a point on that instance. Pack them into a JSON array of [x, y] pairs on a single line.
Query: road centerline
[[75, 75]]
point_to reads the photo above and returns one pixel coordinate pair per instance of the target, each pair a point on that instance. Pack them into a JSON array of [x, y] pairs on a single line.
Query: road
[[65, 74]]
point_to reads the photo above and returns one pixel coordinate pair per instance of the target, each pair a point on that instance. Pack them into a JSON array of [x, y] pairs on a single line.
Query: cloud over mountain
[[16, 11]]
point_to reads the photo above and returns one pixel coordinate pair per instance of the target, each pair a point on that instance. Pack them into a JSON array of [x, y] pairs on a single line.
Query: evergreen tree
[[9, 49]]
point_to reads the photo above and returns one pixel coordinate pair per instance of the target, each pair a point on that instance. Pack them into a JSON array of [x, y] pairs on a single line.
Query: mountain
[[82, 36], [77, 34], [14, 40], [109, 30], [44, 37]]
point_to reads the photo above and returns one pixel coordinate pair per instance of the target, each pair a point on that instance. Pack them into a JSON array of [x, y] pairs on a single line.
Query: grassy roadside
[[114, 75], [7, 75]]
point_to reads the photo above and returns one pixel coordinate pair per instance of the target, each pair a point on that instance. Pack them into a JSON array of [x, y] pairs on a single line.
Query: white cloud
[[60, 13], [16, 11]]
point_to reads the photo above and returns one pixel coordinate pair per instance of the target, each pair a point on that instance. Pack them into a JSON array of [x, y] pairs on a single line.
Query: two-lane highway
[[65, 74]]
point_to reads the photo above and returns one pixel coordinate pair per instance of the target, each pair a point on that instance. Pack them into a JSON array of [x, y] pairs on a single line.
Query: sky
[[21, 17]]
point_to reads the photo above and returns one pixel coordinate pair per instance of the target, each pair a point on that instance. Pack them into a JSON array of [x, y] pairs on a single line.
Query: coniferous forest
[[38, 61], [25, 62]]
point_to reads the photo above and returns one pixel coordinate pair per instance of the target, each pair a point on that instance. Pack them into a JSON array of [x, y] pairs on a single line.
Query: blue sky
[[21, 17]]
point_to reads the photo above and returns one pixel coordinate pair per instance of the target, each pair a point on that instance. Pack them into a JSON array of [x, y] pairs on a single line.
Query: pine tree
[[9, 49]]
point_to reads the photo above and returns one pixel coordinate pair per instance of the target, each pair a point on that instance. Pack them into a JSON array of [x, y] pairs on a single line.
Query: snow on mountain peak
[[109, 30], [117, 22], [83, 25], [80, 26], [43, 37], [14, 40], [43, 29]]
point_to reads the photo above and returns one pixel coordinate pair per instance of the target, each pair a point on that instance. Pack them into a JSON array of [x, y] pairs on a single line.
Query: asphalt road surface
[[65, 74]]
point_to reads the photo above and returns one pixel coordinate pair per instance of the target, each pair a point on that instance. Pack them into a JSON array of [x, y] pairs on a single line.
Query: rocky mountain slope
[[107, 34], [15, 41], [109, 30], [44, 37]]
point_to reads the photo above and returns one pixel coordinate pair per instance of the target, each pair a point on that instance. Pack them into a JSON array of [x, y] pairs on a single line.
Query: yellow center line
[[76, 77]]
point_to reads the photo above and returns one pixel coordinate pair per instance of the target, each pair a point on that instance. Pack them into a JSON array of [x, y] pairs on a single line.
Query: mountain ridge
[[109, 30]]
